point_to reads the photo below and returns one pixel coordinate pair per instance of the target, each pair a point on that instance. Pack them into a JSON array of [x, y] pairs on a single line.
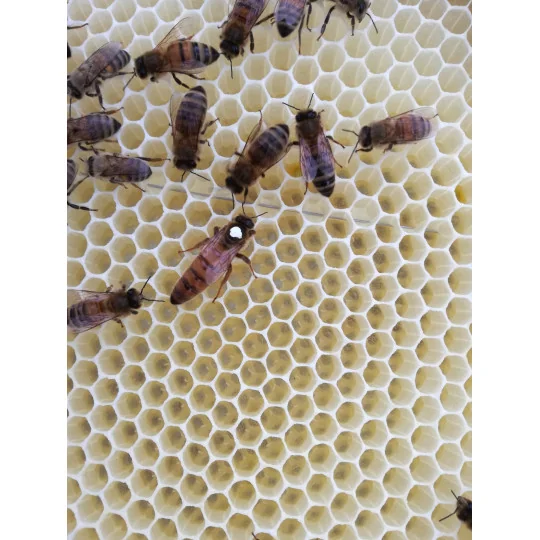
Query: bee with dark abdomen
[[239, 25], [104, 63], [289, 14], [73, 28], [408, 127], [356, 11], [92, 128], [463, 511], [120, 170], [95, 308], [316, 157], [260, 152], [215, 257], [175, 53], [71, 186], [187, 120]]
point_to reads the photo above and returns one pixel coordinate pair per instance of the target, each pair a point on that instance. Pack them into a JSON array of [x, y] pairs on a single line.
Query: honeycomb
[[330, 397]]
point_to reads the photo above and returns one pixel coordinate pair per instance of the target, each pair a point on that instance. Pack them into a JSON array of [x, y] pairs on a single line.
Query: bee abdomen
[[325, 182], [190, 284], [118, 62], [288, 15], [270, 144]]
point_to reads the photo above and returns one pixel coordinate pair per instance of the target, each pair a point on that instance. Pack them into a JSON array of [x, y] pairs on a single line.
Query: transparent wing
[[99, 60], [252, 136], [79, 295], [93, 322], [183, 29], [174, 105], [308, 163]]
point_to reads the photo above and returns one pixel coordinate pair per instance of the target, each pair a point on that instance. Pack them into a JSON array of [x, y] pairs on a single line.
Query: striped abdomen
[[188, 57], [325, 177], [118, 62], [268, 148], [124, 169], [200, 275], [188, 124], [288, 14], [92, 128], [403, 129], [90, 313]]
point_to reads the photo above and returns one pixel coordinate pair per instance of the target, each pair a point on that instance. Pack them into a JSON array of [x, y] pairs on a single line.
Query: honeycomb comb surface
[[330, 397]]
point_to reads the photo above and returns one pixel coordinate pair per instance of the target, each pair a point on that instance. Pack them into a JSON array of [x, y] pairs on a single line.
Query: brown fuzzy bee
[[95, 308], [408, 127], [73, 28], [316, 157], [215, 258], [260, 152], [104, 63], [71, 186], [187, 120], [463, 511], [288, 14], [356, 11], [239, 25], [175, 53], [120, 170], [92, 128]]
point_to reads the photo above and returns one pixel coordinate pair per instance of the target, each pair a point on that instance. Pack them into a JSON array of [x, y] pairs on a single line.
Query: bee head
[[284, 28], [72, 90], [310, 114], [229, 49], [184, 164], [134, 298], [365, 137], [245, 221], [231, 183], [140, 68]]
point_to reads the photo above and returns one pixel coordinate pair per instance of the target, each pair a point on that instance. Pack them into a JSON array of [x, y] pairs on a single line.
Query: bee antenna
[[145, 284], [310, 100], [376, 30], [151, 299], [127, 84], [232, 197], [199, 175], [230, 61], [449, 515], [356, 145], [259, 215], [454, 494], [291, 106]]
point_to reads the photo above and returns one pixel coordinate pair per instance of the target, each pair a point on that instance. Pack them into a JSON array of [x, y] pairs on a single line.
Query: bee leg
[[245, 199], [195, 77], [200, 244], [77, 207], [119, 322], [207, 125], [143, 190], [178, 81], [351, 16], [330, 138], [251, 42], [78, 26], [248, 262], [134, 312], [225, 279], [309, 10], [323, 28], [388, 148], [115, 180], [76, 185], [300, 34], [305, 191], [113, 111]]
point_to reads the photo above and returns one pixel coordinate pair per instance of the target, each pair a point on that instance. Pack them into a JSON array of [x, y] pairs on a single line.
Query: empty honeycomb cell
[[146, 452], [403, 363], [368, 525], [172, 440], [401, 391], [397, 481]]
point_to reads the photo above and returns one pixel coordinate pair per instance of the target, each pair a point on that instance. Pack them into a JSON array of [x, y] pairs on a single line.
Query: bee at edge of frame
[[92, 128], [96, 308], [356, 11], [463, 511]]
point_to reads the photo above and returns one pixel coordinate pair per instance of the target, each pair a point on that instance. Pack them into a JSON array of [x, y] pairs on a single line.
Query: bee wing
[[93, 320], [182, 30], [253, 135], [252, 16], [309, 163], [226, 257], [93, 68], [79, 295], [174, 105]]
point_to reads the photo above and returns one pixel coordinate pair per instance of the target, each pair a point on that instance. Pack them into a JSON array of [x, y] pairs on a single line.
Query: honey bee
[[239, 25], [316, 157], [71, 186], [187, 120], [215, 257], [92, 128], [408, 127], [73, 28], [259, 154], [356, 10], [96, 308], [120, 169], [290, 13], [175, 53], [104, 63], [463, 510]]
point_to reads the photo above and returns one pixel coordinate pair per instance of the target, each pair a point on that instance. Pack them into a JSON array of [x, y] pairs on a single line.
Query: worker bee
[[215, 257], [260, 152], [239, 25], [71, 186], [408, 127], [92, 128], [463, 510], [187, 120], [73, 28], [288, 14], [104, 63], [96, 308], [175, 53], [316, 157], [356, 10], [120, 169]]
